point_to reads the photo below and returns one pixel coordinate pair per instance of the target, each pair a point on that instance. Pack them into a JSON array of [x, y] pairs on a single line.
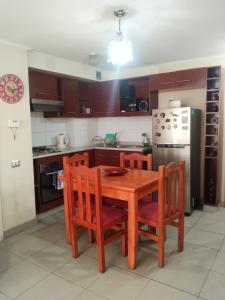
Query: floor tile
[[51, 258], [204, 238], [118, 284], [52, 288], [158, 291], [194, 255], [186, 278], [219, 263], [82, 271], [222, 248], [28, 246], [172, 232], [19, 278], [35, 228], [13, 238], [87, 295], [214, 287], [193, 218], [214, 225], [8, 259], [52, 233]]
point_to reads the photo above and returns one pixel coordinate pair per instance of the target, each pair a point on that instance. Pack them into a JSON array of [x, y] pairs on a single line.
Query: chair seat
[[150, 211], [109, 215]]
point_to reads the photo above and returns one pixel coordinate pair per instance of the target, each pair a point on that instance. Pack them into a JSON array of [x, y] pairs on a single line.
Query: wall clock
[[11, 88]]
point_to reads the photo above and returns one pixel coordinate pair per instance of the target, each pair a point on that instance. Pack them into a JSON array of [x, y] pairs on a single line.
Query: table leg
[[132, 231]]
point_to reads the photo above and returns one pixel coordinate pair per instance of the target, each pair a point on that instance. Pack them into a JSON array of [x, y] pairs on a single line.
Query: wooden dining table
[[129, 187]]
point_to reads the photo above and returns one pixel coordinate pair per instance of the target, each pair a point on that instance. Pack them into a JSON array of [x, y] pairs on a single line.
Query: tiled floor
[[37, 264]]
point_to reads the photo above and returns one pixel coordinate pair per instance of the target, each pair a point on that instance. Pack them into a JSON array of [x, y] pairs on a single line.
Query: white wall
[[16, 184], [42, 61]]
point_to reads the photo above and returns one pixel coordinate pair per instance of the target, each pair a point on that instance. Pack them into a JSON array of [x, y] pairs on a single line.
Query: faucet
[[98, 139]]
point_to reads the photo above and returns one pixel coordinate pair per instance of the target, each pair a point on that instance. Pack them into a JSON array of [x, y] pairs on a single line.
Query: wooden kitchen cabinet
[[105, 101], [186, 79], [70, 97], [43, 85]]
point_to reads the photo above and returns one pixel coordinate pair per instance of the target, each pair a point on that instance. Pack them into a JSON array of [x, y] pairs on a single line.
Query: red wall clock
[[11, 88]]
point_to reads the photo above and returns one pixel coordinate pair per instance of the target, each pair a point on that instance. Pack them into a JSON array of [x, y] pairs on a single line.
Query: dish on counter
[[115, 171]]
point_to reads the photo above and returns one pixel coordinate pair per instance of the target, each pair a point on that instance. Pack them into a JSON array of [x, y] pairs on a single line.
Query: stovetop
[[45, 150]]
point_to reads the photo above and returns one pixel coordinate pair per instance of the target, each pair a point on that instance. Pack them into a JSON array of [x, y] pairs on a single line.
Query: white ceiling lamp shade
[[120, 50]]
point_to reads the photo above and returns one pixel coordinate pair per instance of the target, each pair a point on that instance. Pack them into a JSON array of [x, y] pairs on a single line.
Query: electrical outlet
[[15, 163]]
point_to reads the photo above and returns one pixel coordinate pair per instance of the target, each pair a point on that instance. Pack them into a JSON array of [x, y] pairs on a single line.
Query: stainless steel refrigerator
[[176, 136]]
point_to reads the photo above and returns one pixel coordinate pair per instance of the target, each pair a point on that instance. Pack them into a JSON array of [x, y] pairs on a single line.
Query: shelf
[[207, 146], [211, 134], [213, 78], [210, 101], [212, 113], [212, 124], [211, 157], [213, 90]]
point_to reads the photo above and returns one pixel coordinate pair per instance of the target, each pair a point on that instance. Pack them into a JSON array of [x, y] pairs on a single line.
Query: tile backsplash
[[81, 131]]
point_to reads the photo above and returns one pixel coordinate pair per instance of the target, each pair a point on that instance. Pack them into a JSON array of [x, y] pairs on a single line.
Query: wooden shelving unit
[[213, 139]]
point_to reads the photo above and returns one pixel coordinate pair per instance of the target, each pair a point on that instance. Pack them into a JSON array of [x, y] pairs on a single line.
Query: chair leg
[[74, 244], [161, 251], [90, 236], [181, 234], [101, 251], [124, 240]]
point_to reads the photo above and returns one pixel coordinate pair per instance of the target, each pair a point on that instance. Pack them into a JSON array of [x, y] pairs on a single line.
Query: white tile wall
[[81, 131], [128, 128]]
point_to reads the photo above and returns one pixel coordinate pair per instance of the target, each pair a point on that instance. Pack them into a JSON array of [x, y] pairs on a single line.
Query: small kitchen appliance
[[62, 141]]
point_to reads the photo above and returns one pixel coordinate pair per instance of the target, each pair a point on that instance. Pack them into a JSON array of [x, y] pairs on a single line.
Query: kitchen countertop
[[123, 147]]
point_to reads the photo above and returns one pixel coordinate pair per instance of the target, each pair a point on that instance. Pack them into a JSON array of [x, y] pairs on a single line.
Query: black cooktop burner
[[45, 150]]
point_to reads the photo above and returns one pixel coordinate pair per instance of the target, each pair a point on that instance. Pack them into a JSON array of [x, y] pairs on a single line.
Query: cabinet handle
[[169, 82], [42, 93], [183, 81]]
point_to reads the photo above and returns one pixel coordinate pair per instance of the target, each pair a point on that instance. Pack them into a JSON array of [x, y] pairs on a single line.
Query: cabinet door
[[191, 79], [186, 79], [141, 87], [106, 98], [162, 81], [42, 85], [85, 97], [70, 97], [107, 157]]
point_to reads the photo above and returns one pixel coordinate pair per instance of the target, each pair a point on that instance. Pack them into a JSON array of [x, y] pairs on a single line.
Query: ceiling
[[160, 30]]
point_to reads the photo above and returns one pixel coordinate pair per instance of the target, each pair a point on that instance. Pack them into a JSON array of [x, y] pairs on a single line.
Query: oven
[[48, 192], [50, 189]]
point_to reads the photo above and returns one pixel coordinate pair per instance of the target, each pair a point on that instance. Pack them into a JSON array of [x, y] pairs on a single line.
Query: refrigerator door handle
[[170, 146]]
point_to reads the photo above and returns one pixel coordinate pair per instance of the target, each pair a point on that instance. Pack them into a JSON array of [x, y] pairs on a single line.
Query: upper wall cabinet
[[42, 85], [70, 97], [105, 101], [187, 79]]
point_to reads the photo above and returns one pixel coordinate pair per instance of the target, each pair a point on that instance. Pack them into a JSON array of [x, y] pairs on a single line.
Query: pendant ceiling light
[[120, 50]]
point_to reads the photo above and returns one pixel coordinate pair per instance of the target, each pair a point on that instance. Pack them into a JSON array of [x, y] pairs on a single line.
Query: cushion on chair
[[109, 215], [150, 211]]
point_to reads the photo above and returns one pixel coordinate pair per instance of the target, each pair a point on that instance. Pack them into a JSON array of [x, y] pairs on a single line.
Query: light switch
[[13, 123], [15, 163]]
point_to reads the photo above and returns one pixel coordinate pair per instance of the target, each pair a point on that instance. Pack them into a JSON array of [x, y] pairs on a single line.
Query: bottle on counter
[[145, 140]]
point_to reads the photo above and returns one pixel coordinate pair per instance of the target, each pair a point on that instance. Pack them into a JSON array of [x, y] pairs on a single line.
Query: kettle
[[62, 141]]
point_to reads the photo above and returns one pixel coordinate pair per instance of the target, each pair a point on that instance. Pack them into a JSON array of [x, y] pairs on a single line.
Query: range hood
[[47, 105]]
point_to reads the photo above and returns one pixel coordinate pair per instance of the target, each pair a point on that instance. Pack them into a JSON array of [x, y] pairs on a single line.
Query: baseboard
[[19, 228], [210, 208]]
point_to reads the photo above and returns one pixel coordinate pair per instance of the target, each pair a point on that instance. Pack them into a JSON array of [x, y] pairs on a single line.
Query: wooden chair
[[75, 160], [136, 161], [133, 161], [91, 213], [168, 210]]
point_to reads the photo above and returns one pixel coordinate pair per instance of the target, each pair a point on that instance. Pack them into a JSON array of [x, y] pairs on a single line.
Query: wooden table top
[[133, 180]]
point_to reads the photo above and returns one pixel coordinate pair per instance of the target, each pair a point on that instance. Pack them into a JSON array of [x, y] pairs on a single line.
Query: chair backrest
[[87, 183], [75, 160], [171, 194], [136, 161]]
